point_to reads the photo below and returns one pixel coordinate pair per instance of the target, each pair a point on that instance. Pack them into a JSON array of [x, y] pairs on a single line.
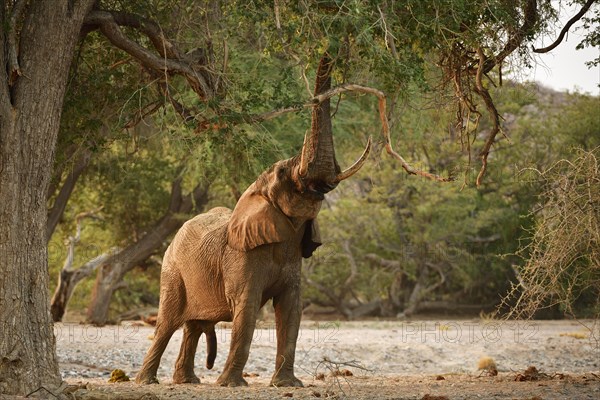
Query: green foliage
[[426, 229], [265, 58]]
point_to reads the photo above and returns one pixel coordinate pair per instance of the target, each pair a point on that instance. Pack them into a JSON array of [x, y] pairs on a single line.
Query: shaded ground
[[384, 360]]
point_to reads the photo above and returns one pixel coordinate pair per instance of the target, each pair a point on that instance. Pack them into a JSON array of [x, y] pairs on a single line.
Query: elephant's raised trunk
[[318, 161], [318, 165]]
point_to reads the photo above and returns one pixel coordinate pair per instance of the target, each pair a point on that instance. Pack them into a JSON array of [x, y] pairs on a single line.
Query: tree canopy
[[141, 113]]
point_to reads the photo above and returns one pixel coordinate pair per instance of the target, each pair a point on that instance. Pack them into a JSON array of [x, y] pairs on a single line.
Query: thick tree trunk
[[32, 87]]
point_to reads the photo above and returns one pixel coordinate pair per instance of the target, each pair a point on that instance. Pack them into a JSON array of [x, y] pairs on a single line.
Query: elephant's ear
[[255, 221], [311, 239]]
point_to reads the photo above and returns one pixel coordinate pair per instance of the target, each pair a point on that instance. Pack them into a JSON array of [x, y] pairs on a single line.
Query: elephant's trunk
[[318, 161], [318, 168]]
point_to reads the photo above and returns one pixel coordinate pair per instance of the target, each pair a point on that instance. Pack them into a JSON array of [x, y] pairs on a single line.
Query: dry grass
[[563, 257]]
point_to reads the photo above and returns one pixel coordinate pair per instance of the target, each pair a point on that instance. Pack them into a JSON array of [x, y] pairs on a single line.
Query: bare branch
[[489, 103], [431, 288], [566, 28], [142, 113], [384, 122], [218, 123], [275, 113], [69, 277], [277, 17], [389, 38], [172, 61], [389, 264]]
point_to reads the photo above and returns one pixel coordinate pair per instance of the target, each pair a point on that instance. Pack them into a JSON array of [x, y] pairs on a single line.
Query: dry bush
[[563, 256]]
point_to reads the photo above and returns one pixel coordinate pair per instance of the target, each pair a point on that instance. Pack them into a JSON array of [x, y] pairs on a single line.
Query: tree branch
[[388, 264], [389, 38], [171, 62], [566, 28], [384, 122], [142, 113], [431, 288], [530, 16], [349, 87], [183, 112], [73, 240], [70, 277], [60, 202], [489, 103]]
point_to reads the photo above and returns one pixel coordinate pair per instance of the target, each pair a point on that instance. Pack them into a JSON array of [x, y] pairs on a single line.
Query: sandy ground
[[383, 360]]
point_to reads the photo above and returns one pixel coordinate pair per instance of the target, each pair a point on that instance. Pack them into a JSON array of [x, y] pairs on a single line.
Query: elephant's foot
[[145, 379], [285, 380], [231, 380], [182, 377]]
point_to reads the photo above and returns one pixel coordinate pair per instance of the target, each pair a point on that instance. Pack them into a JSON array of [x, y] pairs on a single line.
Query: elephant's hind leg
[[184, 367], [168, 321], [162, 335]]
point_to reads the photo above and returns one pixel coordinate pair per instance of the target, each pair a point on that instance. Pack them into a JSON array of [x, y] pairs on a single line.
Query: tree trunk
[[33, 78], [68, 279]]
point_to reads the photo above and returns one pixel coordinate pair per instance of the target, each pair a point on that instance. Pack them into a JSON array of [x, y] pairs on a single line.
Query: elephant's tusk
[[348, 172], [304, 155]]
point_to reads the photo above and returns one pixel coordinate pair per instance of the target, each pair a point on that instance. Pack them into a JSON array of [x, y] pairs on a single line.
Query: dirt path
[[385, 360]]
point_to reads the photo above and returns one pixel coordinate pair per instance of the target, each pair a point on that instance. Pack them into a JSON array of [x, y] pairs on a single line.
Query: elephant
[[224, 265]]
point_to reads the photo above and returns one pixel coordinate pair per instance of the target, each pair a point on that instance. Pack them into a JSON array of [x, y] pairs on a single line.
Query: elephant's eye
[[281, 172]]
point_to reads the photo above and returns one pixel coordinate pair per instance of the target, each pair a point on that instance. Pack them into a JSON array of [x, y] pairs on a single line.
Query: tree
[[33, 81], [37, 50]]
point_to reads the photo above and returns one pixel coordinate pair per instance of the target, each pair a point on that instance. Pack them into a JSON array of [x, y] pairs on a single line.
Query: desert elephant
[[224, 265]]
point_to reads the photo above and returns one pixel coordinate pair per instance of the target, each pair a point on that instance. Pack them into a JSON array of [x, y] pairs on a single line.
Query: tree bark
[[31, 96], [110, 275]]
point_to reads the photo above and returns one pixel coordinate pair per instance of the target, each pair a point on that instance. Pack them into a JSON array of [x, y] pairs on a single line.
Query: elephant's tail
[[211, 346]]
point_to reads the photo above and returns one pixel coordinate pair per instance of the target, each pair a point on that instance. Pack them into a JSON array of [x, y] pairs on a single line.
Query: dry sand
[[385, 360]]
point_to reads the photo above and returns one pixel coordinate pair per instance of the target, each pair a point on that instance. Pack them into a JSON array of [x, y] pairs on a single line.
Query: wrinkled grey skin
[[224, 266]]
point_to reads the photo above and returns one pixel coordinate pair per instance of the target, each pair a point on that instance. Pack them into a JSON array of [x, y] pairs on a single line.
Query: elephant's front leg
[[288, 312], [244, 321]]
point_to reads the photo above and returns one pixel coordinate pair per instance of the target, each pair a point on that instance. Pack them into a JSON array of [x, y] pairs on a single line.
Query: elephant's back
[[198, 236]]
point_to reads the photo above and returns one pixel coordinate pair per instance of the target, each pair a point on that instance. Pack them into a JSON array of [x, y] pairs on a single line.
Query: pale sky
[[564, 67]]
